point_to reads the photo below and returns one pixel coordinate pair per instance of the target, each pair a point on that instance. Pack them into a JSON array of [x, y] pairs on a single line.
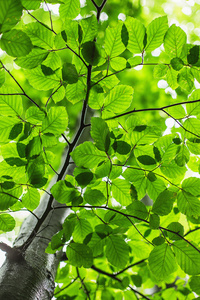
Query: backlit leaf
[[113, 41], [10, 14], [161, 261], [174, 40], [136, 32], [117, 251], [187, 257], [16, 43], [56, 121], [87, 155], [7, 222], [155, 33], [79, 255]]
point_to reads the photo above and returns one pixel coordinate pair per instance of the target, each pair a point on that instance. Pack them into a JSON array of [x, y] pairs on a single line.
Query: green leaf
[[192, 125], [10, 105], [193, 56], [31, 199], [2, 76], [96, 243], [69, 73], [71, 35], [117, 251], [40, 81], [7, 222], [194, 283], [57, 240], [187, 257], [68, 226], [154, 221], [40, 36], [16, 43], [138, 178], [94, 197], [172, 170], [36, 170], [176, 227], [119, 99], [56, 121], [81, 230], [87, 155], [155, 33], [91, 53], [33, 59], [89, 27], [79, 255], [100, 134], [136, 32], [160, 71], [6, 125], [193, 108], [121, 191], [10, 14], [75, 92], [164, 203], [31, 4], [113, 41], [118, 63], [174, 40], [83, 176], [59, 94], [191, 185], [9, 196], [154, 186], [134, 61], [177, 111], [183, 156], [185, 79], [138, 209], [146, 160], [70, 9], [172, 78], [64, 192], [188, 204], [34, 115], [53, 61], [161, 261], [177, 63]]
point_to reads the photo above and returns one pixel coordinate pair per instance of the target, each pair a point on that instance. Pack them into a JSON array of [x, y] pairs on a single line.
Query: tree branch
[[117, 279], [129, 216], [19, 85], [131, 266]]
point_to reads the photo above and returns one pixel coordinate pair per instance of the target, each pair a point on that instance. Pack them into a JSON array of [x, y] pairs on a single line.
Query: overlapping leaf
[[187, 257], [161, 261]]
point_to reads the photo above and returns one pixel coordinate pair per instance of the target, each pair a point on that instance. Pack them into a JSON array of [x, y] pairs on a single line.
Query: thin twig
[[131, 266], [41, 23], [50, 16], [130, 216], [97, 7], [64, 137], [61, 290], [84, 288], [117, 279], [152, 109], [52, 95], [19, 85]]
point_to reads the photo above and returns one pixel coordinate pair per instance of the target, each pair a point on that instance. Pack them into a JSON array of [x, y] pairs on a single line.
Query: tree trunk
[[31, 277]]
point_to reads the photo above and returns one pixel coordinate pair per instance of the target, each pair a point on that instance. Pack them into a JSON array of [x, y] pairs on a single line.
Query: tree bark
[[32, 276]]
